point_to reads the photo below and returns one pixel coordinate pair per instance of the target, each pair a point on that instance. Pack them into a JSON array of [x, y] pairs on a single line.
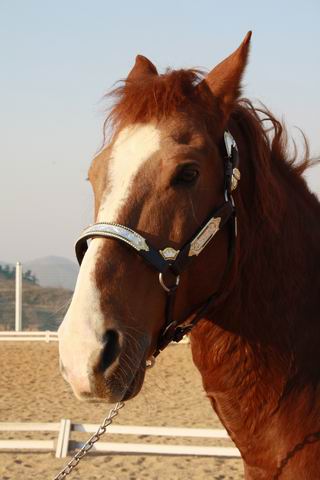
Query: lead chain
[[310, 438], [89, 443]]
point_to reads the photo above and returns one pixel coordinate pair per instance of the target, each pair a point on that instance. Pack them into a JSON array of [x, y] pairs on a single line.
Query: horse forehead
[[132, 148], [134, 144], [137, 142], [114, 170]]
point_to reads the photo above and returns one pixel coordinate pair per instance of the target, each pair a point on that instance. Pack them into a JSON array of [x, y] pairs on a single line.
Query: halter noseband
[[173, 262]]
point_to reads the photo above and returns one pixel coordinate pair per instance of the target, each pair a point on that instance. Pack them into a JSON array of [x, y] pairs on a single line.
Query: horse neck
[[258, 352]]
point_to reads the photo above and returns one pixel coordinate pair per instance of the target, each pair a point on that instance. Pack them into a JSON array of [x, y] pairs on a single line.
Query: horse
[[206, 226]]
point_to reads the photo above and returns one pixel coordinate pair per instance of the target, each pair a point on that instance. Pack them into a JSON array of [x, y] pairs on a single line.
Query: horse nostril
[[110, 350]]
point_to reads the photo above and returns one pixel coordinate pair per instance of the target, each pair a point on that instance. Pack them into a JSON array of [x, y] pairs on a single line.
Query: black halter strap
[[173, 330], [170, 262]]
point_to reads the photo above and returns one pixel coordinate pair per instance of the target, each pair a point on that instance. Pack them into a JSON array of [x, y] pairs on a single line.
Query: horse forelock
[[157, 97]]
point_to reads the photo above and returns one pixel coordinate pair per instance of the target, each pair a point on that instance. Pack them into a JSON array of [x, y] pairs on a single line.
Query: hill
[[54, 271], [51, 271], [42, 308]]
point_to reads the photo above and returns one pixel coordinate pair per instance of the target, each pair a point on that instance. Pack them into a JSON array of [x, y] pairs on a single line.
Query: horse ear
[[141, 68], [224, 80]]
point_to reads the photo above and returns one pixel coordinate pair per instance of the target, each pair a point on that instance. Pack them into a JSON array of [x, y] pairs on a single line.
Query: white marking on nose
[[83, 325], [132, 148]]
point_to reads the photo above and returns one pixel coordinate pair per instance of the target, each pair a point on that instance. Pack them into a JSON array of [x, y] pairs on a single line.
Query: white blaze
[[83, 324], [81, 330], [132, 148]]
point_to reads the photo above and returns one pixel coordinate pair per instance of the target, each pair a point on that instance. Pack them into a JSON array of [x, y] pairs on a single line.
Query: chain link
[[89, 443], [311, 438]]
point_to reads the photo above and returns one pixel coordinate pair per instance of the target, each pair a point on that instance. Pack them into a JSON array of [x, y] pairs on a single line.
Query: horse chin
[[120, 386], [135, 385]]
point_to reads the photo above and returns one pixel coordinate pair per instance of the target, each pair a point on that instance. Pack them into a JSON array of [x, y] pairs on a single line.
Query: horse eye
[[187, 176]]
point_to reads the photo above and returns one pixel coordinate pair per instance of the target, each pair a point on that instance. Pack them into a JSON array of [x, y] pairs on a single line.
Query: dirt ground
[[31, 389]]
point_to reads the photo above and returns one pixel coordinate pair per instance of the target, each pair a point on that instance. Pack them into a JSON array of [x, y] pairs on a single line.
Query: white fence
[[28, 336], [64, 443], [47, 336]]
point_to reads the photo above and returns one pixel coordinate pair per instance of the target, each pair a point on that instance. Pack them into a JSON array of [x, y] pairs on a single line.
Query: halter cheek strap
[[169, 260]]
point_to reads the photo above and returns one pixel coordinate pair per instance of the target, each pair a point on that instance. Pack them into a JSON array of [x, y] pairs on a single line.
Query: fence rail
[[28, 336], [64, 442], [47, 336]]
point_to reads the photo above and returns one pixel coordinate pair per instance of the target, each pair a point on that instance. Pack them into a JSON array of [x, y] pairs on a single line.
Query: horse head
[[160, 177]]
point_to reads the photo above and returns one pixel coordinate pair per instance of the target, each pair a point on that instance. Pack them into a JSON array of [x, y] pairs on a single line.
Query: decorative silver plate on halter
[[204, 236], [235, 178], [169, 253], [230, 143], [120, 232]]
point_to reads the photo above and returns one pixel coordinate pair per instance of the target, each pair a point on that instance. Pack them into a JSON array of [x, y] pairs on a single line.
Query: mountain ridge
[[52, 271]]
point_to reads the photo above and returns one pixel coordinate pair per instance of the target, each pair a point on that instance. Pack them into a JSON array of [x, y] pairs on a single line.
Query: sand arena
[[32, 389]]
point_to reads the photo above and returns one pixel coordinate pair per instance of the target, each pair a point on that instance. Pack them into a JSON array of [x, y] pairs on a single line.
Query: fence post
[[63, 438], [18, 322]]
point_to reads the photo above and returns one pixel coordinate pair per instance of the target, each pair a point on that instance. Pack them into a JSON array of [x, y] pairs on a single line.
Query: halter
[[170, 263]]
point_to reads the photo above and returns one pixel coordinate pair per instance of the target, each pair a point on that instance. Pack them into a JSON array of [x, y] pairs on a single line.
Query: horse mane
[[275, 208], [268, 146]]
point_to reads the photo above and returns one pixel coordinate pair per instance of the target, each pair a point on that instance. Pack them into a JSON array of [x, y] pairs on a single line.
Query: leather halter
[[170, 262]]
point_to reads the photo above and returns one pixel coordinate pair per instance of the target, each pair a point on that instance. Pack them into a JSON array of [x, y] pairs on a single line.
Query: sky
[[58, 59]]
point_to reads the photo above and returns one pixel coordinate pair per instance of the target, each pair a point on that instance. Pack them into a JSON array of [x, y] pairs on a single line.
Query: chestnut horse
[[156, 183]]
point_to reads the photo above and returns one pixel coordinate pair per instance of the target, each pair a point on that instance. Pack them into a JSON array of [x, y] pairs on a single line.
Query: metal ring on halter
[[164, 286]]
